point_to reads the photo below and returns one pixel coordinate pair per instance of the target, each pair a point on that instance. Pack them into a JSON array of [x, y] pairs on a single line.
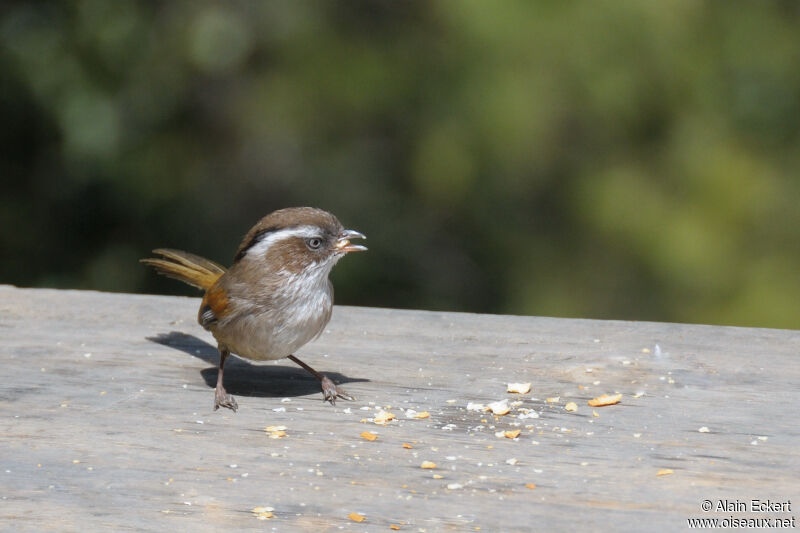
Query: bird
[[275, 297]]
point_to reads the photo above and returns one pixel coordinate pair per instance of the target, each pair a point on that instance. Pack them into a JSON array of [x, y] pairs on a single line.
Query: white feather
[[262, 246]]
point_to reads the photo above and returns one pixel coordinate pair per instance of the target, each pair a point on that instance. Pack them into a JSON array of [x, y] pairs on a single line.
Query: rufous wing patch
[[214, 306]]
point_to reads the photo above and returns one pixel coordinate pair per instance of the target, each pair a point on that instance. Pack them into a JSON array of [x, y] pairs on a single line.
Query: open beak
[[343, 242]]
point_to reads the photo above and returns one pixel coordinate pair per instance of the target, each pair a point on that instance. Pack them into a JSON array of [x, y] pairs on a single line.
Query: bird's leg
[[222, 398], [329, 389]]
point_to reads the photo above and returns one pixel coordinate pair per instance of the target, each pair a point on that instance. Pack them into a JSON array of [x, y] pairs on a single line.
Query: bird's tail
[[189, 268]]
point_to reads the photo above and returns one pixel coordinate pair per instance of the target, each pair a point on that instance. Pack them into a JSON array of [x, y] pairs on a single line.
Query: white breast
[[298, 313]]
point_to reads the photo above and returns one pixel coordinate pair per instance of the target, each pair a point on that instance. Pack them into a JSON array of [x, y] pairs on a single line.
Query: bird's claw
[[223, 399], [330, 392]]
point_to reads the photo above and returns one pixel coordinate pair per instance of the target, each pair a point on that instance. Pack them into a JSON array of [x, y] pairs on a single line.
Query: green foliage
[[634, 160]]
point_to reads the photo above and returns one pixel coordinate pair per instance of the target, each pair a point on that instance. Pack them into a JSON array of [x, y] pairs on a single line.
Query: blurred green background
[[625, 159]]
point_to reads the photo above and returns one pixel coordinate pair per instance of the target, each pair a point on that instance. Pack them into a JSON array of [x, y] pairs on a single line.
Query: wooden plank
[[107, 422]]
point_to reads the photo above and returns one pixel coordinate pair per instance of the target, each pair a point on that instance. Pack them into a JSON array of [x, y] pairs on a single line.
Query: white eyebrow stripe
[[262, 246]]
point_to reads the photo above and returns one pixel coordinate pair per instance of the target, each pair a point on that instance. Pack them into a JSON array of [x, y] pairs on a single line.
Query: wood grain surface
[[107, 422]]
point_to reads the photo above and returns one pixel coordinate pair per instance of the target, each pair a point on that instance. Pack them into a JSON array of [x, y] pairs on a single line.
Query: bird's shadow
[[243, 378]]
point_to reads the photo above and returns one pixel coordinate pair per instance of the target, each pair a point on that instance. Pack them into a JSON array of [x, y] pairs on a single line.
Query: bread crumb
[[263, 513], [499, 408], [605, 399], [276, 432], [519, 388], [383, 417]]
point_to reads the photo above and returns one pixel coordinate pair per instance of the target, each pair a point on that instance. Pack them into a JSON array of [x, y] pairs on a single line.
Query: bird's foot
[[223, 399], [330, 392]]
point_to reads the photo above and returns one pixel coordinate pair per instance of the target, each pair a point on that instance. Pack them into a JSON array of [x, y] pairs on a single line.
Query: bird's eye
[[314, 243]]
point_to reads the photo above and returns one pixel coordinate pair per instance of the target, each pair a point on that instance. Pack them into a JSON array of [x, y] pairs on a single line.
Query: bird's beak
[[343, 242]]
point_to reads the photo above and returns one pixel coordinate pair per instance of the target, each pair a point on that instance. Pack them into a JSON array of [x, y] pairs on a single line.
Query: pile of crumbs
[[383, 417]]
